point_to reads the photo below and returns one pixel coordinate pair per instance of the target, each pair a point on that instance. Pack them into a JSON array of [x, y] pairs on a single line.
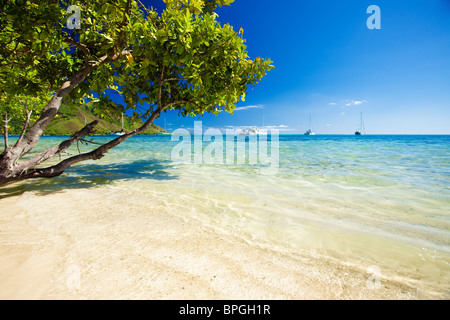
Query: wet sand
[[91, 244]]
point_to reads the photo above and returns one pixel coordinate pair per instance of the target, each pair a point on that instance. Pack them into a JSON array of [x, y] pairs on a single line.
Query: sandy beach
[[79, 245]]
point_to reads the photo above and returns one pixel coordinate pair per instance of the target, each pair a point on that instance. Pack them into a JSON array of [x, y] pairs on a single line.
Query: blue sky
[[331, 66]]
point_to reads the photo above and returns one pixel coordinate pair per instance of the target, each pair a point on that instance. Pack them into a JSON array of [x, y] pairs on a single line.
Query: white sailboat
[[310, 132], [361, 128], [119, 133], [164, 132], [250, 131]]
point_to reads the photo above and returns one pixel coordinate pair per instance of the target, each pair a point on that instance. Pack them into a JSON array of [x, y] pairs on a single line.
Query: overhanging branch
[[24, 166], [96, 154]]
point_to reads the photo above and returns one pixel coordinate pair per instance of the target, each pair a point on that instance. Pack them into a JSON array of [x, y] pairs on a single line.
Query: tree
[[182, 59]]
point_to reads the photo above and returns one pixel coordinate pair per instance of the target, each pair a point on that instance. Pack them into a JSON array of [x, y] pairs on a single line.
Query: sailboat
[[253, 130], [119, 133], [250, 132], [164, 132], [361, 129], [310, 132]]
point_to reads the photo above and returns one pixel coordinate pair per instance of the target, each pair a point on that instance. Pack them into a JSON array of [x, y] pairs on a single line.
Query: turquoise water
[[369, 200]]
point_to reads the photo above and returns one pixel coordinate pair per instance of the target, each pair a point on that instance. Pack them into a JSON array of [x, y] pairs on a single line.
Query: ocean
[[378, 203]]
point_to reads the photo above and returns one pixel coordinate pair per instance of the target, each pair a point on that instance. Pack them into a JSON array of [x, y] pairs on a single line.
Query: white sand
[[90, 244]]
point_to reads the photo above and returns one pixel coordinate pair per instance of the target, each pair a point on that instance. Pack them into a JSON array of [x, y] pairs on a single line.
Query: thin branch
[[146, 10], [173, 79], [79, 45], [178, 102], [89, 141], [27, 122], [160, 86], [5, 129], [23, 65]]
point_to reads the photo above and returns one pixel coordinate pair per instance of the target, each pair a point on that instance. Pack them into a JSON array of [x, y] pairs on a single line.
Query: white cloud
[[358, 102], [332, 103], [350, 103], [249, 107]]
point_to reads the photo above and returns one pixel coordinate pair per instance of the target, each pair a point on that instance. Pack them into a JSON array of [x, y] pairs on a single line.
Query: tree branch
[[24, 166], [143, 6], [5, 129], [160, 86], [100, 151], [96, 154], [79, 45], [173, 79], [177, 102], [89, 141], [27, 122]]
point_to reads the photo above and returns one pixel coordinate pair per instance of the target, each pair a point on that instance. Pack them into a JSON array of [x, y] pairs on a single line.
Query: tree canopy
[[182, 59]]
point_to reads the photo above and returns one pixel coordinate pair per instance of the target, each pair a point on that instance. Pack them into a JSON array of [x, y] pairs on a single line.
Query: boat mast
[[263, 119], [363, 129]]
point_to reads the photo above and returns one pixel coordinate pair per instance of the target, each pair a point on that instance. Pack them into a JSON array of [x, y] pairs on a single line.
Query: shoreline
[[158, 255]]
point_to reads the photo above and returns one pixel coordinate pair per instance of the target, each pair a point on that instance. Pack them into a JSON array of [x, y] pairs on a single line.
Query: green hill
[[71, 120]]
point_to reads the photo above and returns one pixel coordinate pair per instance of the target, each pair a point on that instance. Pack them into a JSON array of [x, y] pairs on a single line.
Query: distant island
[[71, 120]]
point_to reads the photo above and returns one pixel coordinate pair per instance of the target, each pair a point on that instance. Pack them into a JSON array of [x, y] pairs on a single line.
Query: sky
[[329, 65]]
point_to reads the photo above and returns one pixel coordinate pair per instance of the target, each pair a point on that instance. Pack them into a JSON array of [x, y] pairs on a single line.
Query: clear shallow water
[[371, 200]]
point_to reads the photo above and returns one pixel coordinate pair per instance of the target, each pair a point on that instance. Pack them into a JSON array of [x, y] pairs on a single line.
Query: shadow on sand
[[91, 175]]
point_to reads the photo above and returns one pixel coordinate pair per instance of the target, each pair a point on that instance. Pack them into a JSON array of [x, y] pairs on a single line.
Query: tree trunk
[[12, 154]]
